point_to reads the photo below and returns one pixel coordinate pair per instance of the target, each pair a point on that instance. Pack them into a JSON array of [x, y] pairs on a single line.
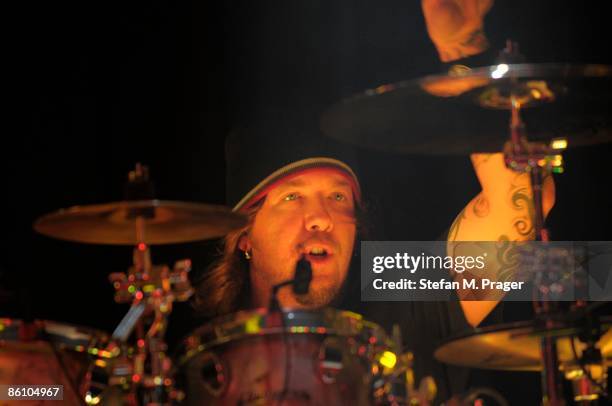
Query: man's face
[[311, 215]]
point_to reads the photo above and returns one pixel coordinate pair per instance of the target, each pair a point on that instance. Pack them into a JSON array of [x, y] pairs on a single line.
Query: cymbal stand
[[538, 160], [151, 290]]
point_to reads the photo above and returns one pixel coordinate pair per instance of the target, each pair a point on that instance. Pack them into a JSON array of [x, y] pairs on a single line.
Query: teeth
[[317, 251]]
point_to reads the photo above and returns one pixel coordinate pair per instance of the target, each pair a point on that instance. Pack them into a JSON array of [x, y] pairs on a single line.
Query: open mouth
[[317, 253]]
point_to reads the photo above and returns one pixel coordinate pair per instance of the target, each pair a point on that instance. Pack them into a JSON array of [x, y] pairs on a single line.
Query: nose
[[317, 217]]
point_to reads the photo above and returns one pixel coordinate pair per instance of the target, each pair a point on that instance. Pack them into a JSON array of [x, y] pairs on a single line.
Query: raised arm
[[502, 211]]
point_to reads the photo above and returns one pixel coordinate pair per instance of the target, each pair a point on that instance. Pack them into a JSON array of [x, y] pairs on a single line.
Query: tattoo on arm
[[481, 206], [522, 201], [507, 259]]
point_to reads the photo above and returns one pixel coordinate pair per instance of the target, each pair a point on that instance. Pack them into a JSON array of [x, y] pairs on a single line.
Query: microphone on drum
[[300, 282]]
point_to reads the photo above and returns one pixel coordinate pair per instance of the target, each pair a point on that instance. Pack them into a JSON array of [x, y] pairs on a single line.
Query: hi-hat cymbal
[[165, 222], [467, 112], [514, 347]]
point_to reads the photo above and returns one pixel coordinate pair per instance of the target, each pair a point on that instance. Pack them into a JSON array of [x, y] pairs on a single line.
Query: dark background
[[103, 86]]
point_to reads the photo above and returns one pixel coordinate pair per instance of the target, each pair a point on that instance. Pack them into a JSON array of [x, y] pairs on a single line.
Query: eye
[[340, 197], [291, 197]]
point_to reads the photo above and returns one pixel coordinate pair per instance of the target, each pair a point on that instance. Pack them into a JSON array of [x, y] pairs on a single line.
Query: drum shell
[[330, 361], [47, 353], [255, 368]]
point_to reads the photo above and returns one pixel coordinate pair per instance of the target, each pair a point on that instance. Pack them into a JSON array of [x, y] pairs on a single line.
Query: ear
[[244, 244]]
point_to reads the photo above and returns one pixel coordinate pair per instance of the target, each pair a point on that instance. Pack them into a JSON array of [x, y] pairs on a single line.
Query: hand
[[456, 26]]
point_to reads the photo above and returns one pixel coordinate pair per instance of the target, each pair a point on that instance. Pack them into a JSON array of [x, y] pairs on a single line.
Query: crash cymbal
[[514, 347], [467, 111], [165, 222]]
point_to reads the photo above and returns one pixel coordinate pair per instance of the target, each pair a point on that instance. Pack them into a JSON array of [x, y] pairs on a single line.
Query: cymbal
[[165, 222], [513, 347], [467, 112]]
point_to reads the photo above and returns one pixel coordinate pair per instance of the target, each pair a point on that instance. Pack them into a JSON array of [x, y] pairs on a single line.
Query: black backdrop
[[101, 86]]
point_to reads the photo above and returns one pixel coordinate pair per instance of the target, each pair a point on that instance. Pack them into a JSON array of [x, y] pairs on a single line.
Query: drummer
[[303, 198]]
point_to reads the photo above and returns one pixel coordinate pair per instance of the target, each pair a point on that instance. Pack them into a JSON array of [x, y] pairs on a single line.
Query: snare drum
[[304, 358], [51, 353]]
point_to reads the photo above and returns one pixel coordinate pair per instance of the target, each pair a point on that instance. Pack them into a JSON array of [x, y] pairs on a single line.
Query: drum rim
[[193, 344]]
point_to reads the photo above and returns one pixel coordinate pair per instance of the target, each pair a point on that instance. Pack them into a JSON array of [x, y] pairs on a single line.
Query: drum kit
[[325, 357]]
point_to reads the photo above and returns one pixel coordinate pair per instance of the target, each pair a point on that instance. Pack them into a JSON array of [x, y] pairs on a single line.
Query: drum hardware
[[119, 223], [588, 378], [134, 364], [151, 290], [516, 346], [215, 375], [535, 159], [114, 223], [331, 360], [588, 372], [565, 106]]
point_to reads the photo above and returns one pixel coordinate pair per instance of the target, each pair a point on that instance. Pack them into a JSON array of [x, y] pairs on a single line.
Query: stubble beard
[[319, 297]]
